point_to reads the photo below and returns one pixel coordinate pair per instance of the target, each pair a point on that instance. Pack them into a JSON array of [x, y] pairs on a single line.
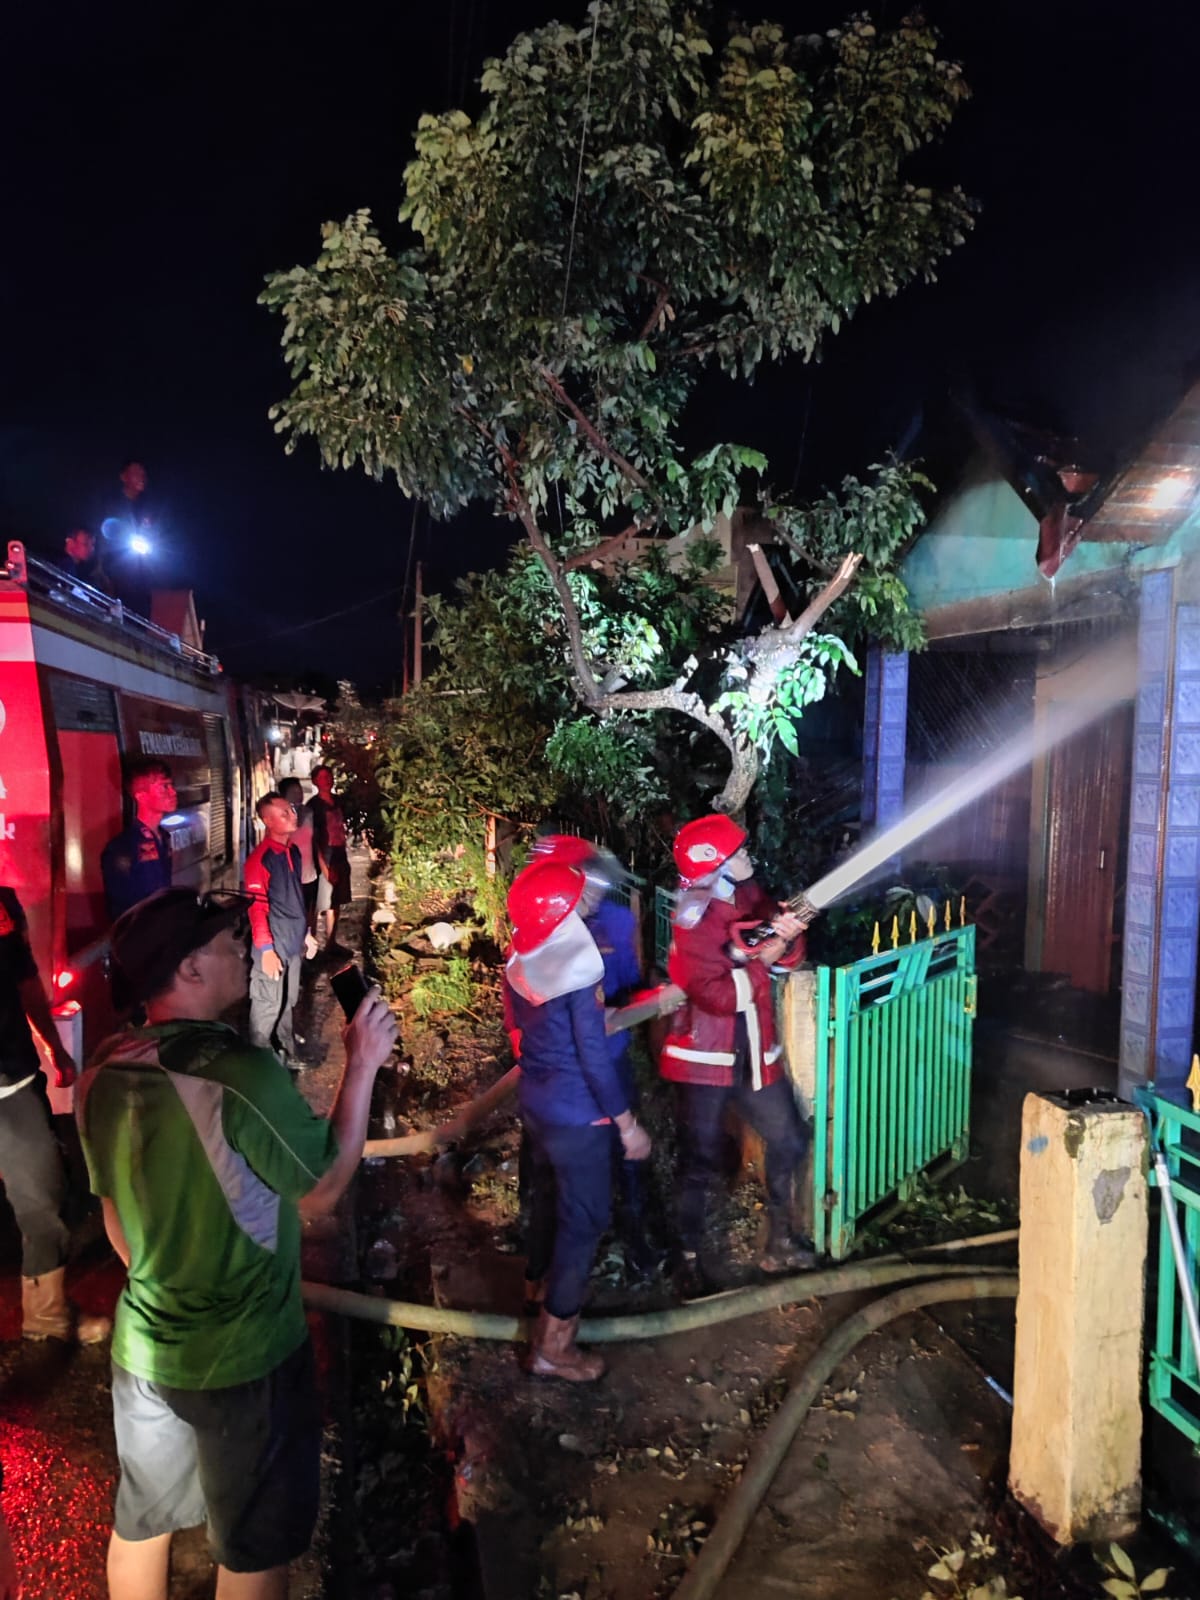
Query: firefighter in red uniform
[[721, 1049]]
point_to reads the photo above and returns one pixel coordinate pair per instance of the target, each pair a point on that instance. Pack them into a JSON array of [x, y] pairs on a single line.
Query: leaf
[[1120, 1588], [940, 1571], [1155, 1580], [1121, 1560]]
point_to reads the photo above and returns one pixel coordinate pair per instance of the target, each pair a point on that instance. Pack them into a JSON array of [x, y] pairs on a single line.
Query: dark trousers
[[571, 1204], [32, 1170], [771, 1112], [271, 1004]]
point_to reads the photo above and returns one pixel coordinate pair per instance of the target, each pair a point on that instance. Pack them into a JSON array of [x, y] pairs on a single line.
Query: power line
[[316, 622], [583, 133]]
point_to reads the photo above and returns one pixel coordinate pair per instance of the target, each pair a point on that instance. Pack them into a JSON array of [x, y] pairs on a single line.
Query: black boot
[[785, 1252], [693, 1280], [643, 1261]]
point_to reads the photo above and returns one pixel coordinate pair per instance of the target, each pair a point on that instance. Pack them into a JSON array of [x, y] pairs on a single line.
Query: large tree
[[633, 207]]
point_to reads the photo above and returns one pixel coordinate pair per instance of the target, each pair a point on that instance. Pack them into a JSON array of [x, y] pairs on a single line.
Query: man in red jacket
[[721, 1049]]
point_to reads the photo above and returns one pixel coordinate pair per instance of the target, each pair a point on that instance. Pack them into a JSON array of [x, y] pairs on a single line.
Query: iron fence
[[892, 1090], [1174, 1380]]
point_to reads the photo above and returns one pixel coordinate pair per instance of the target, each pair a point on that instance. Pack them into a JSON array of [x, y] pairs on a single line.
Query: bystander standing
[[137, 862], [292, 790], [205, 1157], [333, 861], [279, 925], [30, 1162]]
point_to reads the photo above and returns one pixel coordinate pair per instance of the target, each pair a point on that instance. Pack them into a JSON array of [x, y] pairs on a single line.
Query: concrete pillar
[[885, 722], [1077, 1385], [797, 1021], [1162, 900]]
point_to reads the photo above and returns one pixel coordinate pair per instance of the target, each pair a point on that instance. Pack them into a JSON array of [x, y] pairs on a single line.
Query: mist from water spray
[[1104, 678]]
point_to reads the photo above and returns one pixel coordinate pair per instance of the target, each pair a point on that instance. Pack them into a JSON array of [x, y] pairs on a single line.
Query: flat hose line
[[728, 1307], [710, 1566]]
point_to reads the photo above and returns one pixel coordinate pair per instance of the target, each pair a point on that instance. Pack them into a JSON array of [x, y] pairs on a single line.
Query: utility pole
[[417, 642]]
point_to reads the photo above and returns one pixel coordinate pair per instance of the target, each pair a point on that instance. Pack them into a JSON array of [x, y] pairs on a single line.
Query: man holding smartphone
[[205, 1157]]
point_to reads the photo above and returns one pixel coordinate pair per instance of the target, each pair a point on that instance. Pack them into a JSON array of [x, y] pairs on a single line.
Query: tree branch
[[597, 552], [673, 699], [772, 640], [589, 689], [660, 305], [593, 435], [798, 549]]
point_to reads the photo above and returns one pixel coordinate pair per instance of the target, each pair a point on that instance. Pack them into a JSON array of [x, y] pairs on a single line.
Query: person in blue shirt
[[571, 1099], [615, 929], [137, 862]]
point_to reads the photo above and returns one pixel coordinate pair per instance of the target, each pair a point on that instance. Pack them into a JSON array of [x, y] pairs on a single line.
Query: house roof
[[1146, 500]]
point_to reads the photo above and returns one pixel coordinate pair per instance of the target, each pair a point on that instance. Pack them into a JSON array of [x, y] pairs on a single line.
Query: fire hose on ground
[[951, 1283]]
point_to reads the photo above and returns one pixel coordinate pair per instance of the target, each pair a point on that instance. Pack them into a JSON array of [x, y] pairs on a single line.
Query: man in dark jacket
[[137, 862], [279, 929], [721, 1049], [571, 1096]]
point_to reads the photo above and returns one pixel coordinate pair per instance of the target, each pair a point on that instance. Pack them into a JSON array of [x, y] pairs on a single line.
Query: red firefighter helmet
[[565, 848], [705, 844], [543, 894]]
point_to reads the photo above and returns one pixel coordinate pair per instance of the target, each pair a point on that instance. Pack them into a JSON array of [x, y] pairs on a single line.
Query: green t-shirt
[[204, 1145]]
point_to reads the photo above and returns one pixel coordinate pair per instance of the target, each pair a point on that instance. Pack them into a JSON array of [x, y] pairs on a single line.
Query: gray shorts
[[246, 1460]]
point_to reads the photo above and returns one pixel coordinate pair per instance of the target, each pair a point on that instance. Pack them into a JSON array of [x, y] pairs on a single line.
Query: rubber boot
[[46, 1313], [555, 1354], [785, 1253], [693, 1281]]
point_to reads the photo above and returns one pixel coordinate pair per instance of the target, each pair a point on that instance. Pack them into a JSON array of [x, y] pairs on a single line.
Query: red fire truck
[[85, 682]]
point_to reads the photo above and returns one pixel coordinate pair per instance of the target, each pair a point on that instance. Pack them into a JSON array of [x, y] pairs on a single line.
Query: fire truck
[[84, 684]]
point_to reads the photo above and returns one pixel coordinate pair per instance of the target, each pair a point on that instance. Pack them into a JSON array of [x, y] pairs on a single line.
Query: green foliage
[[760, 716], [929, 1213], [1122, 1581], [636, 204], [443, 993], [956, 1576]]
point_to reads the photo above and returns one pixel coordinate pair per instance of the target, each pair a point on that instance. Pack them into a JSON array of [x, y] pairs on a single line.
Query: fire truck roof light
[[64, 979]]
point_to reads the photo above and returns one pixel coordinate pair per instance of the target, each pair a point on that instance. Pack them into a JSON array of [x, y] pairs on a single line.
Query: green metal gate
[[1174, 1379], [893, 1076]]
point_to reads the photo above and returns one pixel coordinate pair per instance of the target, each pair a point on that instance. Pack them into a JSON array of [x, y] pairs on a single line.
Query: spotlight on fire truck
[[64, 979], [139, 544]]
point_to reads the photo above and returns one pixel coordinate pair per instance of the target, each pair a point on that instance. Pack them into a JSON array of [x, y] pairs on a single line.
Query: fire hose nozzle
[[806, 909]]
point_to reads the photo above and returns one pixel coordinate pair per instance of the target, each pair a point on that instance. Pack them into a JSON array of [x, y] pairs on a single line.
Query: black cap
[[151, 939]]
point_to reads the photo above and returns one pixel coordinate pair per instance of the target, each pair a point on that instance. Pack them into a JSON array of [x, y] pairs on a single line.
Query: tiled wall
[[885, 720], [1162, 897]]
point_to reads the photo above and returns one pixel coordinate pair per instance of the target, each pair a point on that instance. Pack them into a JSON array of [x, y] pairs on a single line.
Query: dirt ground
[[604, 1492]]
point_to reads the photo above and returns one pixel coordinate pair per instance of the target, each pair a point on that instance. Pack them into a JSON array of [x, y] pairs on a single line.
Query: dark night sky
[[159, 161]]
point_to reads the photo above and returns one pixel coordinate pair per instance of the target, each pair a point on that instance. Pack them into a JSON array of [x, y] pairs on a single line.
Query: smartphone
[[350, 987]]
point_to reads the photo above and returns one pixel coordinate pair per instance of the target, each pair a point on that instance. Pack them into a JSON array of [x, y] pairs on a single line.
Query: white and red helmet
[[705, 844], [566, 848], [543, 895]]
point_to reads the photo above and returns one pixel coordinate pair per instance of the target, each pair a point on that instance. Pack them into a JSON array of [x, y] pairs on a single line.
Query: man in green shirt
[[205, 1157]]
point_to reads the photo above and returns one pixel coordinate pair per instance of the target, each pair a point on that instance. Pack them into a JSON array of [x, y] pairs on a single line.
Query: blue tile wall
[[885, 724], [1179, 899], [1162, 898]]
